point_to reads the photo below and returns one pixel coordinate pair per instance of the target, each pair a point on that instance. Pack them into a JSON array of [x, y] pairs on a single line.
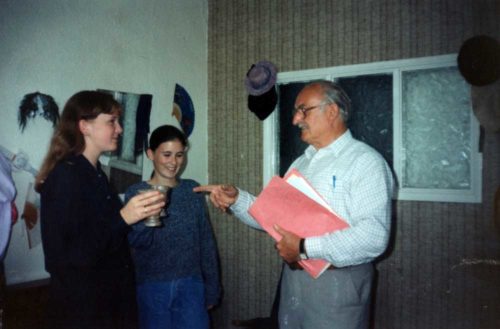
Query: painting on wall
[[125, 164]]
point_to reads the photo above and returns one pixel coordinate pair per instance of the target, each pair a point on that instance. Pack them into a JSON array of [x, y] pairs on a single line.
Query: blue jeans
[[176, 304]]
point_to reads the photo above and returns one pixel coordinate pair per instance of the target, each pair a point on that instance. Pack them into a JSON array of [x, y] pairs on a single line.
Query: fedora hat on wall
[[260, 78], [479, 63], [479, 60], [260, 84]]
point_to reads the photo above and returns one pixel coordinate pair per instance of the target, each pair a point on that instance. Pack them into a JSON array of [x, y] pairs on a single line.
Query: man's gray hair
[[335, 94]]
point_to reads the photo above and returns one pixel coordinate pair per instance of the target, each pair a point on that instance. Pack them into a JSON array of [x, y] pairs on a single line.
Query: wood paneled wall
[[442, 269]]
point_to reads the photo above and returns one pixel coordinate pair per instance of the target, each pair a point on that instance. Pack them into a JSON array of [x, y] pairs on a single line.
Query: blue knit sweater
[[184, 246]]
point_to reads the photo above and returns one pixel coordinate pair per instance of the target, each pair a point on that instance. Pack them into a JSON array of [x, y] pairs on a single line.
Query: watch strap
[[302, 249]]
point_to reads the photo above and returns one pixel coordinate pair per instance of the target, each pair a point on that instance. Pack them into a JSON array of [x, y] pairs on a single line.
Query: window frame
[[396, 68]]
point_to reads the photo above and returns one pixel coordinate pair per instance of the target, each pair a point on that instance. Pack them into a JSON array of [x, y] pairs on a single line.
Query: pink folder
[[281, 203]]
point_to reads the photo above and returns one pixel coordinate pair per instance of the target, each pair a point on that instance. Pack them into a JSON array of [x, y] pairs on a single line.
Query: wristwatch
[[302, 250]]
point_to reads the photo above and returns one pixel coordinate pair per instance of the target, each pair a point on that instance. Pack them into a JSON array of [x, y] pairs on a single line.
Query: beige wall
[[434, 274]]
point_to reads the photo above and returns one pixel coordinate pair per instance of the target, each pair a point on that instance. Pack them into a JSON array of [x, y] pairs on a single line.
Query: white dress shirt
[[357, 183]]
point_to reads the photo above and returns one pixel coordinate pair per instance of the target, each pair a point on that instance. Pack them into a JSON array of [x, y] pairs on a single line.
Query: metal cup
[[154, 220]]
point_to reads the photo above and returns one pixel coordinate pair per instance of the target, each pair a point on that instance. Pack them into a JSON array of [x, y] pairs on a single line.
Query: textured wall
[[442, 268]]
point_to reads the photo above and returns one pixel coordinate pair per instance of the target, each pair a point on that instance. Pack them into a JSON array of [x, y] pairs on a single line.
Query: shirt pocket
[[337, 195], [336, 187]]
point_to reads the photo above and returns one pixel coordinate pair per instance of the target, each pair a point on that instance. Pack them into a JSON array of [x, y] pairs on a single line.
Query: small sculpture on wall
[[37, 104], [183, 109]]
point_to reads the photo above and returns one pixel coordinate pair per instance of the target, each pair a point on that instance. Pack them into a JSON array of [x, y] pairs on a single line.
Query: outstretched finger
[[205, 188]]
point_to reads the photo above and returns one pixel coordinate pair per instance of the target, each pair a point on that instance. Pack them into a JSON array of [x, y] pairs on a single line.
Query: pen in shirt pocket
[[334, 179]]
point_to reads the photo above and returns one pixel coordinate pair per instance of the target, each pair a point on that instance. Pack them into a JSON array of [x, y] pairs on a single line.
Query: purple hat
[[260, 78]]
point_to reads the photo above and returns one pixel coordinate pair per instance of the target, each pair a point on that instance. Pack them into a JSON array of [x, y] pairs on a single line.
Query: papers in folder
[[292, 203]]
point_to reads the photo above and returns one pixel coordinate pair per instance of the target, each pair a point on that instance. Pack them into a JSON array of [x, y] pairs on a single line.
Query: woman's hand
[[143, 205]]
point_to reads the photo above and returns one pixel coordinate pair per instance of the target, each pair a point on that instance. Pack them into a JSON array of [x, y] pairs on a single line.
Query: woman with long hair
[[84, 224]]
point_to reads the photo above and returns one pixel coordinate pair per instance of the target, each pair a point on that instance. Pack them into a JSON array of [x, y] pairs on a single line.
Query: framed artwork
[[125, 164]]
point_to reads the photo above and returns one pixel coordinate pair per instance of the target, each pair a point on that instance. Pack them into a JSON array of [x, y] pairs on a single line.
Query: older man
[[357, 183]]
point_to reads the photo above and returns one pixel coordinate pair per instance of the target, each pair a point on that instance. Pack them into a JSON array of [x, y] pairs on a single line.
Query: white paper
[[302, 185]]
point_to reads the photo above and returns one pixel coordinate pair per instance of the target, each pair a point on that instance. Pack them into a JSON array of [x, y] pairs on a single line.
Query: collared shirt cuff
[[241, 206], [243, 202], [312, 245]]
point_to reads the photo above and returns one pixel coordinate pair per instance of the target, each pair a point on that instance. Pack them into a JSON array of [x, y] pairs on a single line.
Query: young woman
[[84, 224], [176, 264]]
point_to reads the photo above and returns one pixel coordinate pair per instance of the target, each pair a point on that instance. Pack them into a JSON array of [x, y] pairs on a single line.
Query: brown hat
[[479, 60]]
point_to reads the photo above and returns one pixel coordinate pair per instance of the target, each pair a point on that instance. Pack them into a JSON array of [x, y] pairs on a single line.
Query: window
[[417, 113]]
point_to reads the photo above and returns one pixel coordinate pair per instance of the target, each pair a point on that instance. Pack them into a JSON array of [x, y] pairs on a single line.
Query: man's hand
[[222, 196], [288, 246]]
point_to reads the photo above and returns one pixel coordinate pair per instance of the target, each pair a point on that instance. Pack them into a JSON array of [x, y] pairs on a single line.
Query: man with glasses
[[357, 183]]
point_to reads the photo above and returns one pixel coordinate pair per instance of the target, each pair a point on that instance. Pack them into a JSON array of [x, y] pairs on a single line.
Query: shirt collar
[[82, 161], [334, 147]]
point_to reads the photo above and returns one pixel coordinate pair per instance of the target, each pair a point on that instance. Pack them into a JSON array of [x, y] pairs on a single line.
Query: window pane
[[371, 117], [436, 129], [291, 146]]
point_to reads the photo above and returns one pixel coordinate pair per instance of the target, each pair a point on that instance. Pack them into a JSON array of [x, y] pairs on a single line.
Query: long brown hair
[[67, 138]]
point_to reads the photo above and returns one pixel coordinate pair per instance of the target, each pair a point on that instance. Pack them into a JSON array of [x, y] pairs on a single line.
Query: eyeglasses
[[304, 110]]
